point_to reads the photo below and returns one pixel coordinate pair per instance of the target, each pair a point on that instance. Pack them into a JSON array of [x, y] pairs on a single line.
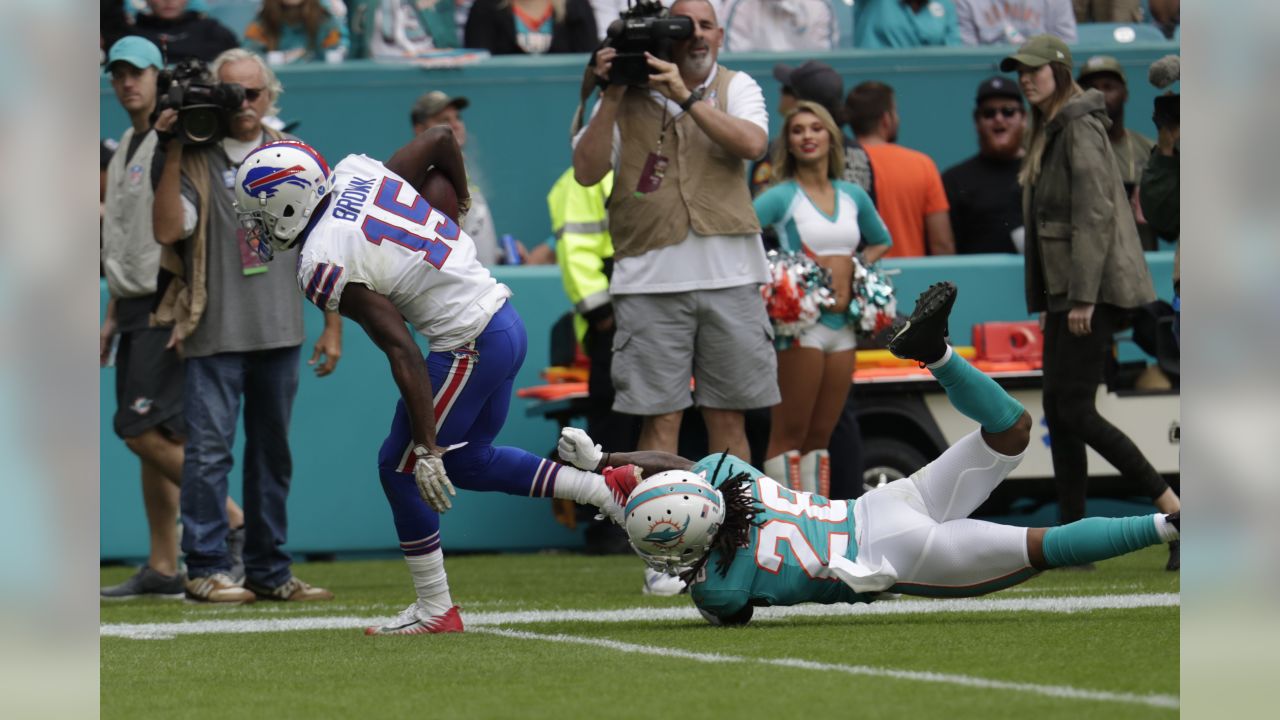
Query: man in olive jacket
[[1082, 243]]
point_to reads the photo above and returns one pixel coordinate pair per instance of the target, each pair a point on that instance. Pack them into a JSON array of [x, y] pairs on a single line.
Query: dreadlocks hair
[[740, 510]]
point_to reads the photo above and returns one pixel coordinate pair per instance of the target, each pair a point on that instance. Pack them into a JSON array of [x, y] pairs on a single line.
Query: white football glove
[[576, 448], [433, 482]]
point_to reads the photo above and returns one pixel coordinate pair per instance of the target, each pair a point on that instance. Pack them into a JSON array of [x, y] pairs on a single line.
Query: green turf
[[341, 673]]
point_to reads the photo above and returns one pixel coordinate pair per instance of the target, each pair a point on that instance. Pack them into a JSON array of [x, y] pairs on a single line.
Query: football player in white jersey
[[377, 252]]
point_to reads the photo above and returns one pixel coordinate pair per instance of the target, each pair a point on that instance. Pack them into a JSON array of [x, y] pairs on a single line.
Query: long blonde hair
[[1064, 88], [784, 163]]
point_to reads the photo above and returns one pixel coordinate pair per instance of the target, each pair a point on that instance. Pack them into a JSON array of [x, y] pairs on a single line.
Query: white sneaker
[[662, 584], [414, 620]]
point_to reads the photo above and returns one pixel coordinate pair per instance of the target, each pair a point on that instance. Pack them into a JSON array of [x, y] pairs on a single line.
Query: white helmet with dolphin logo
[[671, 519]]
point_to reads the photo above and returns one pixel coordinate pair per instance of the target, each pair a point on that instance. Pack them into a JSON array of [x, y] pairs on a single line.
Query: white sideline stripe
[[1083, 603], [1055, 691]]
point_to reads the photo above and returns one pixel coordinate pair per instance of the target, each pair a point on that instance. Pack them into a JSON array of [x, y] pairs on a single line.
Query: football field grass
[[567, 636]]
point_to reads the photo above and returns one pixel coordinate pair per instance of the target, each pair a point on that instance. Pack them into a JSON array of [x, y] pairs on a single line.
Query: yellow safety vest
[[581, 226]]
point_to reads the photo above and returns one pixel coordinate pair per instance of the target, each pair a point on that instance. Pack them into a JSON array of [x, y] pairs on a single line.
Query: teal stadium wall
[[518, 124], [518, 121]]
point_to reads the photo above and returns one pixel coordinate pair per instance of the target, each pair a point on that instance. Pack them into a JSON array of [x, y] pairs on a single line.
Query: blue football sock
[[1093, 539], [975, 395]]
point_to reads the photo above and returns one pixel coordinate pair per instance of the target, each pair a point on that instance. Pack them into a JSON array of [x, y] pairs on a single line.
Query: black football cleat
[[923, 337], [1175, 547]]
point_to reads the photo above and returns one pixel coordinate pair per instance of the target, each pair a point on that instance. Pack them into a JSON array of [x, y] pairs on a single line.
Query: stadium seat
[[1118, 33]]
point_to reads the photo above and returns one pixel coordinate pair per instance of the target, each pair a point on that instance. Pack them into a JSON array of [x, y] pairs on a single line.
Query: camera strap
[[655, 166]]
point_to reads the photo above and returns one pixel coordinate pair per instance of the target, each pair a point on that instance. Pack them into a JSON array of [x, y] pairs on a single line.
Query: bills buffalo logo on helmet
[[262, 180]]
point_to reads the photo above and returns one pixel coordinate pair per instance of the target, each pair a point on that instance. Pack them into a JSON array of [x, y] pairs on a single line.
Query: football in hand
[[438, 190]]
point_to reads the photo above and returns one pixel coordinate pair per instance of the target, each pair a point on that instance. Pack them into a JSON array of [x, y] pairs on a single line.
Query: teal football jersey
[[785, 562]]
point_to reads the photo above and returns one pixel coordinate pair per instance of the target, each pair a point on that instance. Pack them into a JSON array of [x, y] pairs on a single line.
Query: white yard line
[[164, 631], [1055, 691]]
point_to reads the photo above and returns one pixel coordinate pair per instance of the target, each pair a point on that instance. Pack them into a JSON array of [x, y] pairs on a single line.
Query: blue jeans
[[268, 382]]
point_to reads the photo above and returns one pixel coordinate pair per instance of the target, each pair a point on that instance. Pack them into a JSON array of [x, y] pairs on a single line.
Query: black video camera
[[204, 105], [643, 27]]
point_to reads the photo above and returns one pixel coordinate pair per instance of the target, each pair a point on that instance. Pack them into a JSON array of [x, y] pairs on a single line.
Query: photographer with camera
[[237, 323], [688, 260], [148, 375]]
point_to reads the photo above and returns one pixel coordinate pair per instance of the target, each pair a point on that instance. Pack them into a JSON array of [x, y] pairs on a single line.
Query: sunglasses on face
[[252, 94], [990, 113]]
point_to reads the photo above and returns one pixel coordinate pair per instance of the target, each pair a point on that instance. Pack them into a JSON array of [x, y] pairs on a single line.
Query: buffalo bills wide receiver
[[377, 252], [742, 540]]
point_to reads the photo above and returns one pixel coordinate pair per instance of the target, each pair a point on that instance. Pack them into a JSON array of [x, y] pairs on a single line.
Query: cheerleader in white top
[[827, 219]]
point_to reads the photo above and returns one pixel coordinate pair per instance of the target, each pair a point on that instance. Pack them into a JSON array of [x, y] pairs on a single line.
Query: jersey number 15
[[437, 226]]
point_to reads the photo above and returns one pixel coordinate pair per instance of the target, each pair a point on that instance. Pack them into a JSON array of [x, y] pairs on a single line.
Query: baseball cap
[[1102, 64], [137, 51], [1040, 50], [997, 86], [813, 80], [432, 103]]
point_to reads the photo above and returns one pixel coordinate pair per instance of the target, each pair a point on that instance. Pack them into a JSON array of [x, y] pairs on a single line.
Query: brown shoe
[[293, 590], [217, 588]]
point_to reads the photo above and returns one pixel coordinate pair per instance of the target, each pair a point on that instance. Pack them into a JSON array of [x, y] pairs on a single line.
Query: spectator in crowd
[[437, 108], [819, 82], [400, 29], [1166, 14], [584, 251], [606, 11], [771, 26], [148, 375], [909, 193], [1104, 74], [239, 326], [113, 24], [687, 255], [826, 218], [986, 202], [183, 34], [286, 31], [1161, 179], [1108, 11], [1084, 268], [905, 23], [1011, 22], [531, 27]]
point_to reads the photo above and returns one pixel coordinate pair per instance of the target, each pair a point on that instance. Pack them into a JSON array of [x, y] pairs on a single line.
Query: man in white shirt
[[688, 260]]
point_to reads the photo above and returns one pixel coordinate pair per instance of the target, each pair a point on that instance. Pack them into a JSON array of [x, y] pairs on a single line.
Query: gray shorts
[[720, 338]]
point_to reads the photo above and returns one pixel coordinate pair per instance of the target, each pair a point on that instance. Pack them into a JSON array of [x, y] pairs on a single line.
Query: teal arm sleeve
[[771, 205], [869, 222]]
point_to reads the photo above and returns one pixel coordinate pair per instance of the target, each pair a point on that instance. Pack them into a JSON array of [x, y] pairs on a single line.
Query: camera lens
[[200, 125]]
